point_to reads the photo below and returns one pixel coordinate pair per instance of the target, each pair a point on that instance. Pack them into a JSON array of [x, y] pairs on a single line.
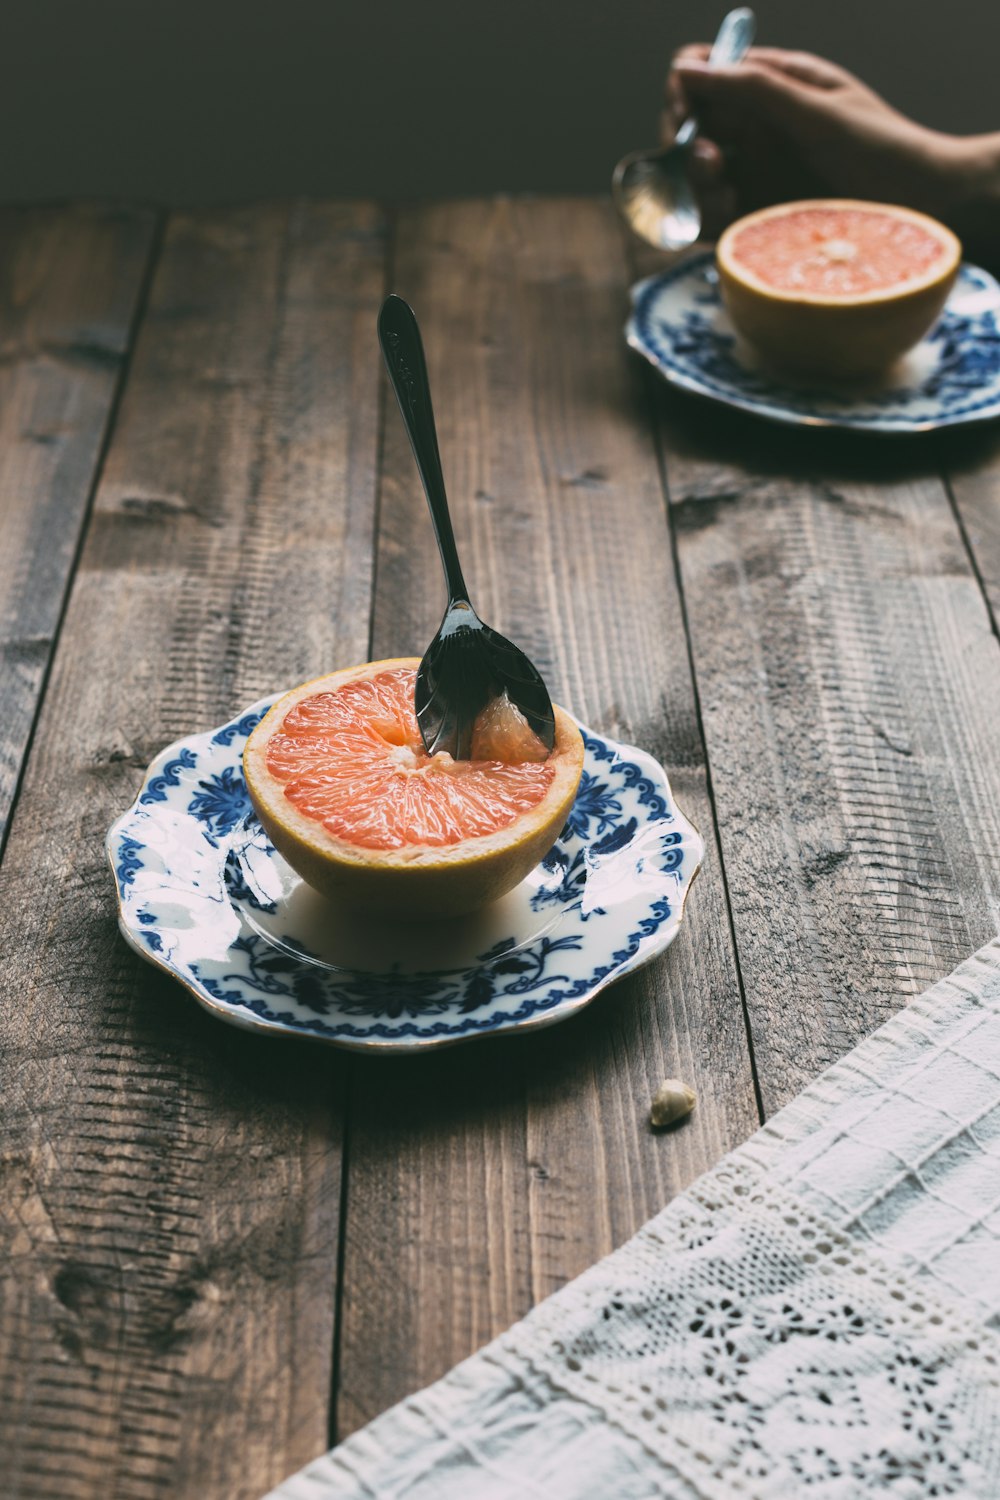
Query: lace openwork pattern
[[814, 1319], [760, 1350]]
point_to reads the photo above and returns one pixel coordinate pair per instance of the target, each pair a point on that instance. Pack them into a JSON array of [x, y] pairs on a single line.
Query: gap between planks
[[176, 1304], [482, 1178], [77, 279]]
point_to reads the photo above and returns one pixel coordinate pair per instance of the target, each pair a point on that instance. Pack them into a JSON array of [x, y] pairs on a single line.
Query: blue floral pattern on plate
[[679, 324], [203, 894]]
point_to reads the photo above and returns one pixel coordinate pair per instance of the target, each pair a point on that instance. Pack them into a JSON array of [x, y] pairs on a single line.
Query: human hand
[[784, 125]]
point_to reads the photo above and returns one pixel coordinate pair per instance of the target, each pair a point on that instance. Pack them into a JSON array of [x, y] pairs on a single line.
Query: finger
[[804, 66], [674, 97], [747, 88], [671, 119], [716, 195], [675, 106], [707, 162], [693, 52]]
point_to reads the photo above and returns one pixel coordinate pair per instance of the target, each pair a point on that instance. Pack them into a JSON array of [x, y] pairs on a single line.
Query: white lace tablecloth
[[816, 1317]]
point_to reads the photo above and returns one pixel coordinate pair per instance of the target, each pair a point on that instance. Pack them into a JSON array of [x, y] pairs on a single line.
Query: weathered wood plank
[[170, 1207], [850, 691], [483, 1177], [70, 281], [971, 463]]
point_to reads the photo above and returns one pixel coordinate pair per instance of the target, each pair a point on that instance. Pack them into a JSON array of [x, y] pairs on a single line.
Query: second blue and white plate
[[679, 324], [204, 895]]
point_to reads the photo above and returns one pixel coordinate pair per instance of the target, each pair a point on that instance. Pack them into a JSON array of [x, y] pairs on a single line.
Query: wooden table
[[223, 1252]]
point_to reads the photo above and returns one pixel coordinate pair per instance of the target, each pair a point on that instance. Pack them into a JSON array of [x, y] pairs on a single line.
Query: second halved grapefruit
[[836, 287], [341, 782]]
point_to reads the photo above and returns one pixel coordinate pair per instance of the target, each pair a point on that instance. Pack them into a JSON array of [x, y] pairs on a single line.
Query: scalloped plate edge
[[649, 948], [781, 415]]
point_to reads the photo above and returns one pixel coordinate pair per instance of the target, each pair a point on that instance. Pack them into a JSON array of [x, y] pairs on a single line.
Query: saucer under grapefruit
[[340, 780], [837, 287]]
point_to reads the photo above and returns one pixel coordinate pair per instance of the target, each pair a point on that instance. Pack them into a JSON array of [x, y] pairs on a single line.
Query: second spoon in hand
[[653, 188], [467, 665]]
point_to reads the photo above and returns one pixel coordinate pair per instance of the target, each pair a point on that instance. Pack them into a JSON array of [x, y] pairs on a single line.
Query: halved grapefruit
[[834, 286], [341, 782]]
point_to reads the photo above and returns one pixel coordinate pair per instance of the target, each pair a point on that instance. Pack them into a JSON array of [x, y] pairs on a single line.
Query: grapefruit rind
[[846, 337], [415, 881]]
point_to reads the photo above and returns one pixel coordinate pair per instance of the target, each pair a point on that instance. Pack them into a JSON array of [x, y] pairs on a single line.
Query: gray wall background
[[222, 100]]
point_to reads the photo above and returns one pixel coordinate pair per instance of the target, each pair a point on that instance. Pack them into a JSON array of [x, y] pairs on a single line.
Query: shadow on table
[[450, 1086], [697, 430]]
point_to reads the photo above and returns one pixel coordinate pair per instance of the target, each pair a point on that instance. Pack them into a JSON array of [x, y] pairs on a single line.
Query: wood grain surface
[[971, 465], [849, 681], [70, 284], [170, 1198], [220, 1250], [483, 1178]]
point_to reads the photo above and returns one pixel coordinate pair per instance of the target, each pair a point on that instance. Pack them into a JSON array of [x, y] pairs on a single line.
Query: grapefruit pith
[[835, 286], [340, 780]]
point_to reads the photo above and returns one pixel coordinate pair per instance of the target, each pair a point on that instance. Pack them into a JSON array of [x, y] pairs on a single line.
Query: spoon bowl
[[467, 665], [652, 189]]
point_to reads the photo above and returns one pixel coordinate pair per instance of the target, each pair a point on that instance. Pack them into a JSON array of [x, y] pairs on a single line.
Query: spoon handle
[[732, 43], [734, 38], [403, 352]]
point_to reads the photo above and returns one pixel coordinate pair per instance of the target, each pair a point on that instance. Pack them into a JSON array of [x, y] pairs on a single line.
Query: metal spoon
[[467, 665], [653, 188]]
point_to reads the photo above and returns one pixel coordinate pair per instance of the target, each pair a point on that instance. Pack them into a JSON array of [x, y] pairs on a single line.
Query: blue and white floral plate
[[204, 895], [952, 376]]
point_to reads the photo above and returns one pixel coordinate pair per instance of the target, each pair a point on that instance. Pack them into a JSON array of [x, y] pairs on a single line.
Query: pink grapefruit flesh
[[836, 287]]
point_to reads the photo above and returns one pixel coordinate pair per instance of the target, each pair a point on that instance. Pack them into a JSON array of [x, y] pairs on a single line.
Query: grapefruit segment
[[342, 784], [836, 286], [503, 733]]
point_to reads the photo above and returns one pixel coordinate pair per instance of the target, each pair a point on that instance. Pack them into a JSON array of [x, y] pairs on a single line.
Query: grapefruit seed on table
[[836, 286], [340, 780]]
